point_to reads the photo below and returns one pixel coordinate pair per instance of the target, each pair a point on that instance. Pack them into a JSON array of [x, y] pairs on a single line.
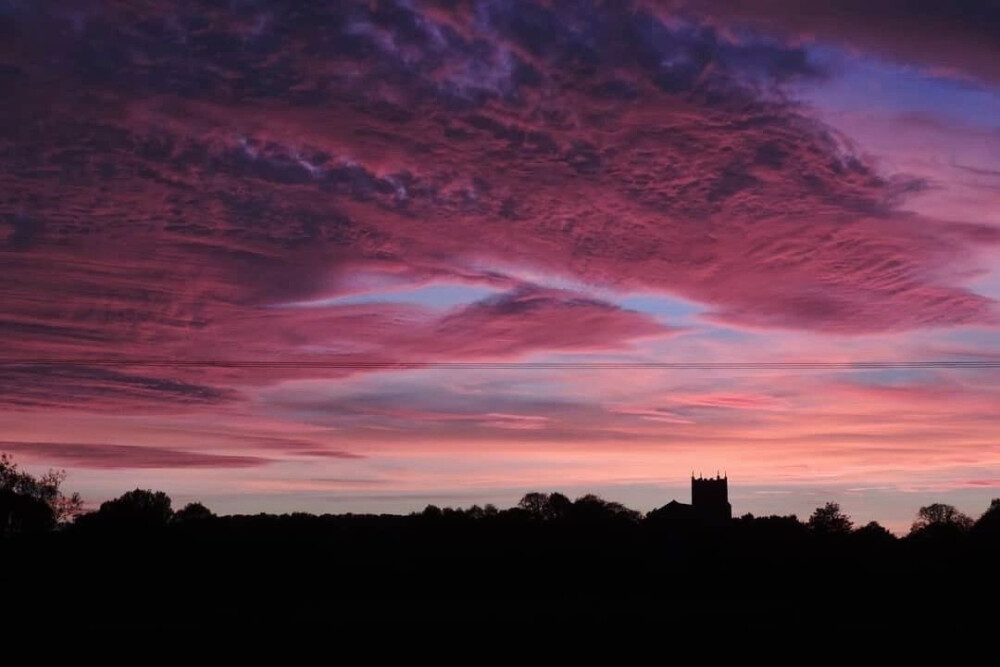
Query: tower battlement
[[710, 497]]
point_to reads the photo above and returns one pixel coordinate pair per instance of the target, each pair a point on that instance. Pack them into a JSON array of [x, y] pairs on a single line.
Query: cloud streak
[[105, 456]]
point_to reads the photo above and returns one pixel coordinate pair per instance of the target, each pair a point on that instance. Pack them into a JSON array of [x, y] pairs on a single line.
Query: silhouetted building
[[709, 504], [710, 497]]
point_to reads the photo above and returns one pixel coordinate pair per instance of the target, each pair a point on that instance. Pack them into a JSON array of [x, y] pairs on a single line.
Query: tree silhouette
[[940, 519], [591, 546], [874, 533], [45, 488], [829, 520], [559, 506], [138, 509], [432, 512], [591, 508], [23, 515], [193, 512], [536, 504], [546, 506], [988, 525]]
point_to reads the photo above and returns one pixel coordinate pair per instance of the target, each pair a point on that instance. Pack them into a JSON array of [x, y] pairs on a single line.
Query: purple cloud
[[104, 456], [170, 181]]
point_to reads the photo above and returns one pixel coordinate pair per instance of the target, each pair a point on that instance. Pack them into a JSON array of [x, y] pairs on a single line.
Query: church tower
[[710, 498]]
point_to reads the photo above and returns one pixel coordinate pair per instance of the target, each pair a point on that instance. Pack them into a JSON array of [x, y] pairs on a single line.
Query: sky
[[223, 222]]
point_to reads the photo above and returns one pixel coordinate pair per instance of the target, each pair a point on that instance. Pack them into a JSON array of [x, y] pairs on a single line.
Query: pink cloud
[[983, 482], [507, 326], [752, 209], [518, 422], [726, 400]]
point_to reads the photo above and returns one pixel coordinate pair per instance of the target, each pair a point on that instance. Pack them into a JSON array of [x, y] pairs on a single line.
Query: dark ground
[[510, 567]]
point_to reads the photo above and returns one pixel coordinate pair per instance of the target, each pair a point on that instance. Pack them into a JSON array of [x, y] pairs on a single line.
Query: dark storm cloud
[[961, 37]]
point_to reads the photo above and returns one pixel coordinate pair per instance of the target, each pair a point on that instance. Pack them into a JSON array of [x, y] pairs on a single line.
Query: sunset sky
[[328, 184]]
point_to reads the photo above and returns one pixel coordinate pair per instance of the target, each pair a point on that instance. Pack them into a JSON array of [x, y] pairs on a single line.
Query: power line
[[492, 365]]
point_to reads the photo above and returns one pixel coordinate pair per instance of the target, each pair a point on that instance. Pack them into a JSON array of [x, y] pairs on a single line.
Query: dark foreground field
[[510, 566]]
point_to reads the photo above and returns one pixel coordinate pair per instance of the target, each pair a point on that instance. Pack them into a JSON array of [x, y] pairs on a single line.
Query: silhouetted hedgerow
[[586, 557], [589, 554]]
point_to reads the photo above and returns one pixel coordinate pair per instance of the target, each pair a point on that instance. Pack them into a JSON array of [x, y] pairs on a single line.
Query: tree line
[[31, 505], [138, 556]]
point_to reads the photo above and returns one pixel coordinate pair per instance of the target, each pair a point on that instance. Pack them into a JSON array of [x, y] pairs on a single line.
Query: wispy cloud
[[104, 456]]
